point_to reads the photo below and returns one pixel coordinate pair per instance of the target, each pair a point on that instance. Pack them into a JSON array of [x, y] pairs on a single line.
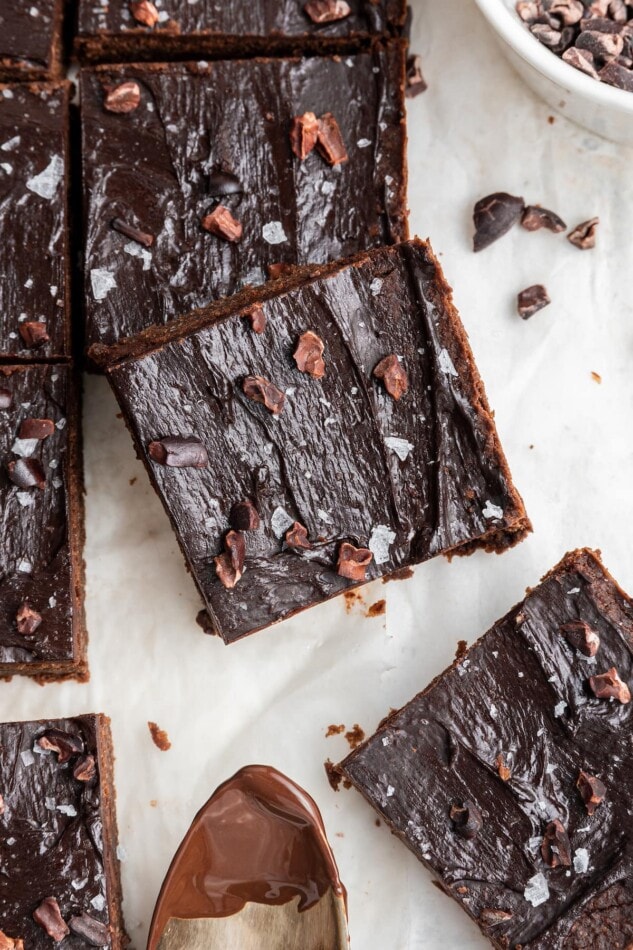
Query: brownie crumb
[[159, 737], [334, 730], [351, 598], [402, 574], [355, 736], [461, 650], [377, 609], [335, 776]]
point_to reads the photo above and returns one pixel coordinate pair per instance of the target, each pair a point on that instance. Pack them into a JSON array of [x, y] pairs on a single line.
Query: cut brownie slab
[[167, 29], [30, 38], [511, 775], [42, 630], [337, 431], [60, 873], [194, 188], [34, 260]]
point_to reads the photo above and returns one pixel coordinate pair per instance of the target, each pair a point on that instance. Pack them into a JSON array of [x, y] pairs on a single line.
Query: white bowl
[[603, 109]]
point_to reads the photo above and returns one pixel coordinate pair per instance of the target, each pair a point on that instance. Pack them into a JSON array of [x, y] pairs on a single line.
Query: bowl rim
[[511, 29]]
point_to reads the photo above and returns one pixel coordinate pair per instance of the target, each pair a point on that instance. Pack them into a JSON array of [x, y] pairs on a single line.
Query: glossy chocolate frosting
[[33, 218], [508, 730], [56, 839], [408, 479], [156, 168], [30, 38], [260, 838], [40, 564], [230, 28]]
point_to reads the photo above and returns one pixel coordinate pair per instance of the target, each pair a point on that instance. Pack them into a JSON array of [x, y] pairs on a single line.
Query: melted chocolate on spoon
[[260, 838]]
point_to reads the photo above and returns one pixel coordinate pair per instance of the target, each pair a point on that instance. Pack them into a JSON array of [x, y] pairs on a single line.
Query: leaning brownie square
[[310, 438]]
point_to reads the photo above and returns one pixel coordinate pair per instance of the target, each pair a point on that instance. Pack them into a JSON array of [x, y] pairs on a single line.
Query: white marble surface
[[270, 698]]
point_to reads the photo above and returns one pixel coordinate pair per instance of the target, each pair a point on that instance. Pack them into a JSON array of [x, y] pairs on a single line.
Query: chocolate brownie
[[511, 775], [120, 31], [200, 179], [30, 39], [337, 430], [34, 259], [60, 873], [42, 630]]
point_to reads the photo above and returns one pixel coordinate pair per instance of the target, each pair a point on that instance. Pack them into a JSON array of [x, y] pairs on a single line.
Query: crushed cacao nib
[[531, 300], [10, 943], [467, 820], [123, 98], [604, 47], [309, 354], [229, 566], [493, 216], [27, 620], [297, 537], [221, 223], [415, 83], [144, 12], [33, 333], [36, 429], [393, 376], [617, 75], [134, 234], [244, 516], [6, 398], [534, 218], [353, 562], [27, 473], [581, 59], [92, 931], [257, 318], [327, 11], [49, 918], [176, 452], [581, 637], [303, 134], [583, 235], [85, 769], [64, 744], [592, 791], [609, 686], [330, 141], [556, 847], [505, 774], [223, 183], [261, 390]]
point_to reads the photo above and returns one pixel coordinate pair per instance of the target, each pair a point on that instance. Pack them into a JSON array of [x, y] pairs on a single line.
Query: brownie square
[[60, 873], [34, 259], [511, 775], [340, 429], [42, 630], [120, 31], [30, 39], [209, 136]]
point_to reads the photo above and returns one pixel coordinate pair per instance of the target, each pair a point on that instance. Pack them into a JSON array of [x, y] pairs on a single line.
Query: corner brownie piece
[[30, 39], [34, 259], [511, 775], [136, 31], [338, 431], [60, 873], [192, 189], [42, 631]]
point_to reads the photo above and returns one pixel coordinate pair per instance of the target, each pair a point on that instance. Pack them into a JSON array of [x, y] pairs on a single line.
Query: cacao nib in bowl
[[599, 107]]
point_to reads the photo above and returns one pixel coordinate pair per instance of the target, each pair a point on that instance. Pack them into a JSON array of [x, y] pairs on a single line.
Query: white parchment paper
[[270, 698]]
